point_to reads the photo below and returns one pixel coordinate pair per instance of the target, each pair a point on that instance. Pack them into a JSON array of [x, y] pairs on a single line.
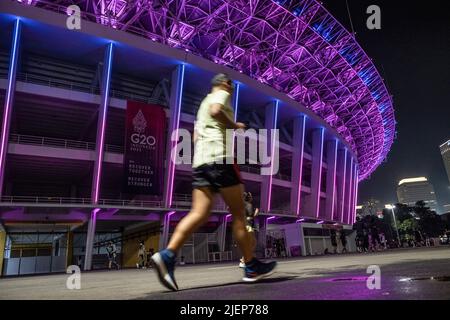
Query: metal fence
[[60, 143]]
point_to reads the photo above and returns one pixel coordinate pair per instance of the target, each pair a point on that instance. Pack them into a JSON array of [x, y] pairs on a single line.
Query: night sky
[[412, 52]]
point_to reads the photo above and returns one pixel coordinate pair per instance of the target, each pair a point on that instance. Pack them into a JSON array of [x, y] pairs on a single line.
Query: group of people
[[334, 237], [144, 257], [368, 236]]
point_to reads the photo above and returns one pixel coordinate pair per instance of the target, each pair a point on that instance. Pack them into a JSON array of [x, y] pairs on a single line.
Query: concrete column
[[302, 241], [355, 193], [90, 238], [266, 184], [261, 241], [69, 248], [297, 162], [9, 99], [164, 240], [2, 247], [222, 232], [101, 125], [176, 97], [316, 171], [341, 177], [331, 179], [348, 190]]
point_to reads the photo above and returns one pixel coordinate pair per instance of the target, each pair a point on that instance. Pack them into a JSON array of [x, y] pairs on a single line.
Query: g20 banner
[[144, 148]]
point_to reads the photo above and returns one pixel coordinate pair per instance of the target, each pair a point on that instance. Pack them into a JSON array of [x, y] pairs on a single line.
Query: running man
[[214, 171], [250, 216]]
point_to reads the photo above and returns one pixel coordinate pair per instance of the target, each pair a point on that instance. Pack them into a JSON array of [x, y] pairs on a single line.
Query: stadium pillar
[[330, 205], [90, 238], [267, 179], [341, 176], [297, 162], [99, 152], [261, 241], [355, 195], [9, 99], [101, 125], [165, 230], [222, 232], [2, 247], [302, 241], [348, 190], [316, 171], [353, 202], [176, 97], [69, 248]]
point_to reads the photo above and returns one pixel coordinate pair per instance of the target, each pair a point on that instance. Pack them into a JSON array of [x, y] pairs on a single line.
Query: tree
[[429, 222], [402, 212], [388, 225], [407, 227]]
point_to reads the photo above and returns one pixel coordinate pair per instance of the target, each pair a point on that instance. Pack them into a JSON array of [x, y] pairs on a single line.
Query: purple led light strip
[[350, 191], [342, 197], [9, 100], [173, 143], [356, 198], [320, 172], [104, 106], [272, 136], [302, 149]]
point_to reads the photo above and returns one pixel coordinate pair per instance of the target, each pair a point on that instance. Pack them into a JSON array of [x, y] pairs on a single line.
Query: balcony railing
[[60, 143], [180, 202], [45, 200], [85, 201], [81, 87]]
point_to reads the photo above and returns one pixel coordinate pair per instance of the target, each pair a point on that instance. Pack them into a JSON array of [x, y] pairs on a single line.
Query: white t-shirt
[[213, 145]]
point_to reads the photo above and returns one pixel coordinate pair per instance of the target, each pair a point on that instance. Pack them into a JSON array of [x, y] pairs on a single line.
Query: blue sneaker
[[256, 270], [164, 264]]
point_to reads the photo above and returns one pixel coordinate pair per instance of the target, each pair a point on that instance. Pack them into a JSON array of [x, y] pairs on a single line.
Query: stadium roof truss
[[294, 46]]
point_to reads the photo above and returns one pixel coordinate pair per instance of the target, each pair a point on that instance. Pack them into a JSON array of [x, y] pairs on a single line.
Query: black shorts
[[216, 176]]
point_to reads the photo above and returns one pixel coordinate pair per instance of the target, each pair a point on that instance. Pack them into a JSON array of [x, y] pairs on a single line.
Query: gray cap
[[219, 78]]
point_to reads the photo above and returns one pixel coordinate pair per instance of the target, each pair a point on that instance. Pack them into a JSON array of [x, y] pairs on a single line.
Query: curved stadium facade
[[64, 95]]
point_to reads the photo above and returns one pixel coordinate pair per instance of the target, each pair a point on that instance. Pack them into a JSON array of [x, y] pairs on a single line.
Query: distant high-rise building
[[445, 152], [411, 190], [446, 208]]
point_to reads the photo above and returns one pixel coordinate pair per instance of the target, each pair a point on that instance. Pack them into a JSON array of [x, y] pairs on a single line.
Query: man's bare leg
[[202, 201], [233, 197]]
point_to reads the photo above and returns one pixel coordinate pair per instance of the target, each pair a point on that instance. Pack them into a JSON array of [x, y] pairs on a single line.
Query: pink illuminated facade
[[296, 69]]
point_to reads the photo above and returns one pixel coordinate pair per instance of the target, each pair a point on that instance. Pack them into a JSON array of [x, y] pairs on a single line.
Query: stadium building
[[90, 100]]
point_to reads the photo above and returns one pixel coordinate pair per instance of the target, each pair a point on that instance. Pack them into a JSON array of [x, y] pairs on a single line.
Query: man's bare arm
[[216, 111]]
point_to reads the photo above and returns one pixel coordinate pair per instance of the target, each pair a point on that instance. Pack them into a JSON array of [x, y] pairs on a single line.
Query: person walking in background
[[250, 218], [214, 171], [333, 239], [343, 237], [383, 241], [359, 239], [112, 255], [141, 256]]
